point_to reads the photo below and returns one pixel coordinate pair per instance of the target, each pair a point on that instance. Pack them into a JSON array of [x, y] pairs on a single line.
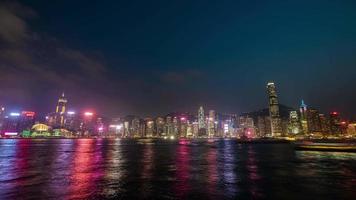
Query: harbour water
[[170, 169]]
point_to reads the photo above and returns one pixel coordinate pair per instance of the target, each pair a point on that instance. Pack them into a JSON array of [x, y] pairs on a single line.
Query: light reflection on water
[[97, 169]]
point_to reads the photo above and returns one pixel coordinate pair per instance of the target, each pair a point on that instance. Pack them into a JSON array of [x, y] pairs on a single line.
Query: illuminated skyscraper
[[264, 126], [195, 127], [2, 115], [303, 117], [61, 109], [136, 127], [276, 126], [169, 126], [160, 124], [294, 126], [211, 123], [183, 126], [201, 118], [149, 127]]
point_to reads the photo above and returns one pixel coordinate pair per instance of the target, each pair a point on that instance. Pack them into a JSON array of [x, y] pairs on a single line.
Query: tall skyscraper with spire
[[303, 117], [276, 125], [201, 118], [61, 109]]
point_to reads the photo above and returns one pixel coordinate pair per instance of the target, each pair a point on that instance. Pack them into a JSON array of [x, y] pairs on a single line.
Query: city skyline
[[277, 121], [56, 108], [146, 64]]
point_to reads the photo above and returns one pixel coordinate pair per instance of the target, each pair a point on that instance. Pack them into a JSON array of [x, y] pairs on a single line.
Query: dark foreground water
[[151, 169]]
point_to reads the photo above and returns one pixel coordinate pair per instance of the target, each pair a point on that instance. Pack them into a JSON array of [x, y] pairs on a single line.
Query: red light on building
[[334, 113], [28, 113], [88, 114]]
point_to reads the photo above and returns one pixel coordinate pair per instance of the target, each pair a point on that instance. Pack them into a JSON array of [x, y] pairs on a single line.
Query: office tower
[[294, 125], [303, 117], [126, 126], [115, 128], [169, 126], [72, 121], [2, 116], [334, 123], [88, 124], [276, 125], [175, 124], [201, 118], [10, 126], [149, 127], [136, 127], [211, 123], [60, 110], [100, 127], [314, 126], [195, 127], [183, 126], [351, 129], [324, 124], [227, 128], [189, 130], [160, 127], [246, 127], [264, 126]]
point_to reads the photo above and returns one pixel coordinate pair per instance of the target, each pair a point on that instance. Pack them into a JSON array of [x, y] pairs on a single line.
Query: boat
[[333, 147]]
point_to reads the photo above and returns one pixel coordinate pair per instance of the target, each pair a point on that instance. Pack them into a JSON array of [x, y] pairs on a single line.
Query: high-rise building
[[149, 127], [127, 128], [334, 123], [160, 130], [72, 121], [2, 115], [201, 118], [183, 126], [189, 130], [303, 117], [276, 125], [294, 126], [61, 109], [211, 123], [175, 127], [57, 119], [169, 126], [136, 127], [314, 125], [246, 127], [264, 126], [195, 131], [351, 129], [10, 126], [324, 124]]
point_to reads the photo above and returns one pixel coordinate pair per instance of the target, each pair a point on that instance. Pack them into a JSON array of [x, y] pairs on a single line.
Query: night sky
[[154, 57]]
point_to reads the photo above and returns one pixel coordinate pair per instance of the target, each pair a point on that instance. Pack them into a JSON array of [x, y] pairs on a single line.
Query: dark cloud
[[14, 28], [34, 64]]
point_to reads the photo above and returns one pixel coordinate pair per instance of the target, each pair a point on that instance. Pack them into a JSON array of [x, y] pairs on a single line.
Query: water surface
[[160, 169]]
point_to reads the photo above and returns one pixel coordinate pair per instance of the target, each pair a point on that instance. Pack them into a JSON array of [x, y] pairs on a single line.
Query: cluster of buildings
[[275, 121], [282, 121]]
